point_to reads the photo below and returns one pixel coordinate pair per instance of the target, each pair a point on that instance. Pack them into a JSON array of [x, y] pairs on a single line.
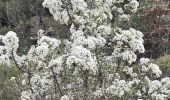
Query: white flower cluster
[[82, 57], [82, 13], [147, 66], [78, 5], [155, 69], [165, 86], [129, 56], [40, 83], [55, 8], [159, 90], [91, 41], [133, 38], [128, 70], [10, 40], [98, 93], [56, 64], [144, 61], [124, 17], [118, 88], [52, 42], [154, 86], [131, 41], [27, 95], [132, 5], [104, 30], [42, 51], [65, 97]]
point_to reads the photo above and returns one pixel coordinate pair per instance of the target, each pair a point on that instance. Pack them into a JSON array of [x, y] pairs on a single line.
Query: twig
[[24, 71], [56, 82], [86, 85], [118, 66], [15, 62]]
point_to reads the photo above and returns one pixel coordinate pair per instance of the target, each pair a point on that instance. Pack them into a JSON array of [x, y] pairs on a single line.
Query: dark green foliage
[[26, 17], [164, 64], [9, 89]]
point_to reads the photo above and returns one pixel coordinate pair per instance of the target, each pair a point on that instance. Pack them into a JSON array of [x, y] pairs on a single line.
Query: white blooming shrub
[[81, 68]]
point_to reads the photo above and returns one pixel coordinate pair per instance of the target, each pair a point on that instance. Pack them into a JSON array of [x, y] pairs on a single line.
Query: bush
[[8, 89], [164, 63], [4, 30], [153, 20]]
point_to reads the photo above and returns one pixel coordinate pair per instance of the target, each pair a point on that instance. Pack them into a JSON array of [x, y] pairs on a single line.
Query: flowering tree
[[82, 68]]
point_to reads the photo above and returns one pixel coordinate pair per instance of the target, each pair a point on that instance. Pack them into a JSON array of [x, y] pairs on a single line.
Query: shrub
[[9, 83], [164, 63]]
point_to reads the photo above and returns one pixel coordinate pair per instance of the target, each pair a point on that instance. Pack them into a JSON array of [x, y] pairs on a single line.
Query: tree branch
[[86, 85], [56, 84], [15, 62]]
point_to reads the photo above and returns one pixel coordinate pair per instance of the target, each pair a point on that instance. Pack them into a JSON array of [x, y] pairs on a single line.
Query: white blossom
[[64, 17], [82, 57], [128, 70], [154, 86], [65, 97], [57, 64], [137, 45], [105, 30], [52, 42], [157, 96], [11, 40], [54, 7], [42, 51], [40, 33], [118, 88], [79, 5], [93, 42], [129, 56], [145, 69], [12, 78], [124, 17], [144, 61], [98, 93], [166, 86], [120, 10], [155, 69], [132, 5], [27, 95]]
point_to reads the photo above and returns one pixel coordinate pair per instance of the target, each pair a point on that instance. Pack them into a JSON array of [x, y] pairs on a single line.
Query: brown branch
[[68, 10], [118, 66], [15, 62], [29, 81], [100, 75], [56, 84], [23, 71], [86, 85]]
